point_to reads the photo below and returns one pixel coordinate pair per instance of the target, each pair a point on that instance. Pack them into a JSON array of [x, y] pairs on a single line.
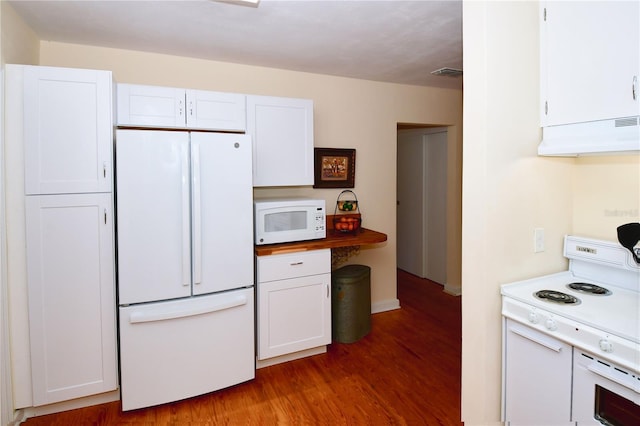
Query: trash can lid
[[352, 271]]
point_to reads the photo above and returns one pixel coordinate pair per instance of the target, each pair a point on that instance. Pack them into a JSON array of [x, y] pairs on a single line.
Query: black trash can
[[350, 303]]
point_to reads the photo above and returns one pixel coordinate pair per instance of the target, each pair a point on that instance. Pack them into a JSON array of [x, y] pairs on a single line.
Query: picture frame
[[334, 167]]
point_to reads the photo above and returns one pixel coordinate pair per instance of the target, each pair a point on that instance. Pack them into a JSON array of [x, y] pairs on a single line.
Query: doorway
[[421, 217]]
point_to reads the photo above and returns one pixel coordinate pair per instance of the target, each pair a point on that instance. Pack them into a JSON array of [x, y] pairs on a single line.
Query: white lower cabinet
[[294, 302], [537, 378], [70, 267]]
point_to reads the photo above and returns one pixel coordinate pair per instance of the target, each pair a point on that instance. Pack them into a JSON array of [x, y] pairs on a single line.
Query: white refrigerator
[[185, 263]]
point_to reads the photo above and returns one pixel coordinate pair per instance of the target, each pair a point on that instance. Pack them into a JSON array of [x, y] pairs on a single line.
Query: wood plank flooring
[[405, 372]]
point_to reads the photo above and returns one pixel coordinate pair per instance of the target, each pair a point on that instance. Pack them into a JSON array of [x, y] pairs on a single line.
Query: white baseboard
[[385, 305], [290, 357], [24, 413], [454, 290]]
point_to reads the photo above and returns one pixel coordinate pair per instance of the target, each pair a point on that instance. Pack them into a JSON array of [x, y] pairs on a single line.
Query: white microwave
[[283, 220]]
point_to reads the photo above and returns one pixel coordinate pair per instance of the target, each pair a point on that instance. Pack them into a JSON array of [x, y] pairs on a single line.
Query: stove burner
[[589, 288], [557, 297]]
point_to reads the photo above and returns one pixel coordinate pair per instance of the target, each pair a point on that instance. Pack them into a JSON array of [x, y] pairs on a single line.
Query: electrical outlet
[[538, 240]]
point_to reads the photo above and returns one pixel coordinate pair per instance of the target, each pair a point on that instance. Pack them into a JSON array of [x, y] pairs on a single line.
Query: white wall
[[508, 190]]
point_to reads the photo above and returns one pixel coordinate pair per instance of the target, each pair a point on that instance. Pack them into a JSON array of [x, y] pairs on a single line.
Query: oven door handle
[[547, 343], [606, 372]]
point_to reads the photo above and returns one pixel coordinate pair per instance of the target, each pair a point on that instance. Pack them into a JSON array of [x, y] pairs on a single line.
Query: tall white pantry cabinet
[[60, 201]]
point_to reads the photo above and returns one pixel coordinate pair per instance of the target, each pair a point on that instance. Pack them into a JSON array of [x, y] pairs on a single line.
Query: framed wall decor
[[334, 168]]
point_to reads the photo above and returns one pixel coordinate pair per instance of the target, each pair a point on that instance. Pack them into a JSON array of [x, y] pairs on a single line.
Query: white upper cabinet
[[282, 134], [68, 131], [167, 107], [590, 61]]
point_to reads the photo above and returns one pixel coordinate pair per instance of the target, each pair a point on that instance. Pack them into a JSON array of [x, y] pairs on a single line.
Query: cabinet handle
[[328, 292], [180, 108], [634, 86], [296, 263], [104, 169], [191, 108], [542, 340], [105, 216]]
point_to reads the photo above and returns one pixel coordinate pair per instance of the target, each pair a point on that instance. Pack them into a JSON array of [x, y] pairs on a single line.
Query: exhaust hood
[[615, 136]]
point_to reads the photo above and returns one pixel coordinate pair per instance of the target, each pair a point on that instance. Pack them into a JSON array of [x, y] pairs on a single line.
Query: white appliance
[[618, 135], [185, 263], [572, 340], [281, 220]]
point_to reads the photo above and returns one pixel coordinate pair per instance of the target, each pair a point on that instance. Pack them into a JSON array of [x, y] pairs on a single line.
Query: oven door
[[604, 394]]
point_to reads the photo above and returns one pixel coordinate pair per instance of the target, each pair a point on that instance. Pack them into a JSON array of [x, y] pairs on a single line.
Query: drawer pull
[[296, 263]]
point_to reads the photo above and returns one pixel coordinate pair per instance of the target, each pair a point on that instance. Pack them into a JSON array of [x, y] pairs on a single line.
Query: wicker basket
[[347, 218]]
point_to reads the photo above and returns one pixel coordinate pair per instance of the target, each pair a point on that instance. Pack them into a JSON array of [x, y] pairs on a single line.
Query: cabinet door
[[222, 212], [216, 111], [590, 58], [70, 269], [69, 136], [154, 236], [537, 381], [151, 106], [282, 134]]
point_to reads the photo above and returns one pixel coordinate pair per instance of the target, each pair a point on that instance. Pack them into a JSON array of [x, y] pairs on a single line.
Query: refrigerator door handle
[[186, 231], [197, 215], [170, 314]]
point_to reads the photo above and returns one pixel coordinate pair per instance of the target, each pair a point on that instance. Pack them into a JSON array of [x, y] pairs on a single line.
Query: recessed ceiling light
[[449, 72]]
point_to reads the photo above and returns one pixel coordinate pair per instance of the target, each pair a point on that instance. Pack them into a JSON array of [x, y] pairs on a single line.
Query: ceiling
[[392, 41]]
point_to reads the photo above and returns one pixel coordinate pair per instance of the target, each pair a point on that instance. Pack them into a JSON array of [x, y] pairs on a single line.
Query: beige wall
[[606, 195], [508, 191], [20, 45], [348, 113]]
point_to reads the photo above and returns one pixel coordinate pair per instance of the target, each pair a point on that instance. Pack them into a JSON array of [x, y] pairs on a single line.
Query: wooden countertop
[[333, 240]]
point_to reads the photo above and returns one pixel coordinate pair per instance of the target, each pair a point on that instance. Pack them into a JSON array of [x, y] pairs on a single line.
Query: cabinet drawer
[[291, 265]]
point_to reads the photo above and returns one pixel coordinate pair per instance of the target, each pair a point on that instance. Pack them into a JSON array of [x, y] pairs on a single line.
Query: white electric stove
[[589, 319]]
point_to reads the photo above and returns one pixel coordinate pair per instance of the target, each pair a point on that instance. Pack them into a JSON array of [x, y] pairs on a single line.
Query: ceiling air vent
[[450, 72]]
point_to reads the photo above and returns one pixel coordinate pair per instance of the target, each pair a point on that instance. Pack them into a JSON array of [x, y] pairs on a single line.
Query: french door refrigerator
[[185, 263]]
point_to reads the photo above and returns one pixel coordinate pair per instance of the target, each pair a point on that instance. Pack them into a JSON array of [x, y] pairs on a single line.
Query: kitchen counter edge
[[333, 240]]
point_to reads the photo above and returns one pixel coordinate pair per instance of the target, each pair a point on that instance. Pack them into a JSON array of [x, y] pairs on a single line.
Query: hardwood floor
[[405, 372]]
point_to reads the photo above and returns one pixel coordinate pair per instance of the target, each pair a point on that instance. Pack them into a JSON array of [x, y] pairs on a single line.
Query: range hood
[[615, 136]]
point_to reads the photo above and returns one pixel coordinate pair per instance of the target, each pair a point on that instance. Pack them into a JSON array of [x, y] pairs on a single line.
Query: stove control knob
[[533, 318], [606, 345], [551, 324]]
